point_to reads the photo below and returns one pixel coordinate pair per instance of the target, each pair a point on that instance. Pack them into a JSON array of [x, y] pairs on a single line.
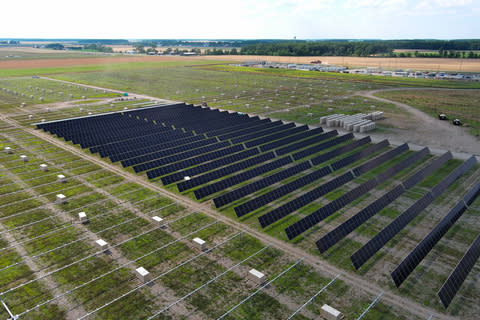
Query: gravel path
[[429, 131]]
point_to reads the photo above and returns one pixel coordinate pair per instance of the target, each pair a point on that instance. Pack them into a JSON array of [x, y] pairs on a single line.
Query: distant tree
[[55, 46], [140, 48]]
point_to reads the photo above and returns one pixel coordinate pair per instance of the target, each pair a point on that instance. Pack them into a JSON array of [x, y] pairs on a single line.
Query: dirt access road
[[427, 130]]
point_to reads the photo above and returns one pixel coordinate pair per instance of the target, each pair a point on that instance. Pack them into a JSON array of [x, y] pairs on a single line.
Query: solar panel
[[257, 134], [373, 208], [293, 138], [295, 204], [453, 176], [187, 150], [262, 200], [472, 194], [369, 165], [376, 243], [210, 176], [392, 171], [189, 158], [359, 155], [403, 270], [273, 137], [428, 170], [241, 177], [203, 167], [319, 147], [459, 274], [340, 150], [304, 143], [340, 232], [312, 219], [260, 184]]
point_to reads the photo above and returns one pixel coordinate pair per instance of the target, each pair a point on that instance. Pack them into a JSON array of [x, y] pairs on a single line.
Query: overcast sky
[[243, 19]]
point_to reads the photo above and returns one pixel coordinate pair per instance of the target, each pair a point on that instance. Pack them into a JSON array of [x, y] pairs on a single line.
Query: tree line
[[384, 48]]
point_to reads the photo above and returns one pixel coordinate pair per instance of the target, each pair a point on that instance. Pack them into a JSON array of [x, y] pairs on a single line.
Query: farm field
[[54, 269], [426, 64]]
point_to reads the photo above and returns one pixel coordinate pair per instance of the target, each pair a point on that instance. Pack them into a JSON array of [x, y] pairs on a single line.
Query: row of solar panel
[[320, 147], [162, 161], [152, 153], [455, 280], [373, 208], [324, 212], [316, 193], [295, 204], [260, 184], [146, 147], [190, 161], [241, 177], [453, 176], [403, 270], [341, 150], [222, 172], [276, 144], [204, 167], [377, 242], [307, 142], [150, 141]]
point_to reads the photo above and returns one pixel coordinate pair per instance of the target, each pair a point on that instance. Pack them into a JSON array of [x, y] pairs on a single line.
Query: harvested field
[[52, 63], [427, 64]]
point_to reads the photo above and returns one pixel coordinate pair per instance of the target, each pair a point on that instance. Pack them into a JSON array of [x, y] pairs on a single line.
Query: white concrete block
[[61, 199], [43, 167], [143, 275], [102, 244], [61, 178], [24, 158], [330, 313], [199, 243], [82, 216], [8, 150], [256, 276]]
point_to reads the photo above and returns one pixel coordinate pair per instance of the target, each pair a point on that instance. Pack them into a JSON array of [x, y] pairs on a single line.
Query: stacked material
[[359, 122]]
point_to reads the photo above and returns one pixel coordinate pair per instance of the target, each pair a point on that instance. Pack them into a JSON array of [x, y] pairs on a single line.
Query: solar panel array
[[320, 147], [241, 177], [208, 151], [403, 270], [212, 175], [455, 280], [425, 172], [302, 144], [384, 236], [297, 203], [260, 184], [373, 208], [293, 138], [377, 242], [264, 199], [359, 155]]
